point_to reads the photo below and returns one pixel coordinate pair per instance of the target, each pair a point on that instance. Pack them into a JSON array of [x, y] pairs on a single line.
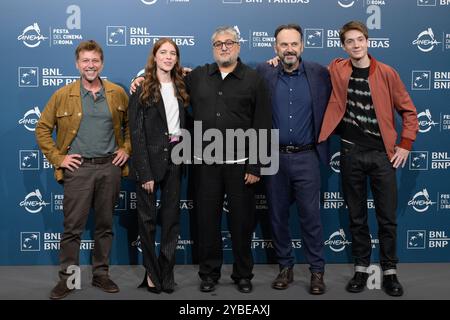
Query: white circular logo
[[30, 119], [425, 121], [425, 41], [33, 202], [346, 3], [149, 2], [31, 36], [337, 241], [335, 162], [421, 201]]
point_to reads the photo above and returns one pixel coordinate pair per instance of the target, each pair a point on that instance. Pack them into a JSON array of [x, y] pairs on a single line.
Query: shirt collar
[[238, 72], [296, 72], [85, 92]]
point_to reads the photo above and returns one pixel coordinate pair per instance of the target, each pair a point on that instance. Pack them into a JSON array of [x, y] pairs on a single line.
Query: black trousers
[[213, 182], [160, 269], [91, 185], [357, 165]]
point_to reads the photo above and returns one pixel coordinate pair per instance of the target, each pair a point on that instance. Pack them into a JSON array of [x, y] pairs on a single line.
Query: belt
[[98, 160], [295, 149]]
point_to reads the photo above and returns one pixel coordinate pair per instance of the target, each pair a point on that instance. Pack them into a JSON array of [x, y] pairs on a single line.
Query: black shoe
[[208, 284], [105, 283], [391, 285], [358, 282], [60, 290], [244, 285], [144, 284], [317, 284], [168, 290], [284, 278]]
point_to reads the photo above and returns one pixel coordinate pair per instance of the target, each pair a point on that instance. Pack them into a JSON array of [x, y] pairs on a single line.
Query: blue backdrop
[[38, 41]]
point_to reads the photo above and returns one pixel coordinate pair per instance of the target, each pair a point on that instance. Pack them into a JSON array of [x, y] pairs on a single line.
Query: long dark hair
[[151, 85]]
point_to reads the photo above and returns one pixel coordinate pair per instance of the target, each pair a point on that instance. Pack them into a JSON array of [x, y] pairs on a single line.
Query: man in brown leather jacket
[[89, 156]]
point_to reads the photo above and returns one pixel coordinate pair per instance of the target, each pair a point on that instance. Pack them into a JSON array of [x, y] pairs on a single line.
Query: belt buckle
[[290, 149]]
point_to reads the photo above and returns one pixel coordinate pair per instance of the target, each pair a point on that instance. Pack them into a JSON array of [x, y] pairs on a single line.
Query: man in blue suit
[[299, 94]]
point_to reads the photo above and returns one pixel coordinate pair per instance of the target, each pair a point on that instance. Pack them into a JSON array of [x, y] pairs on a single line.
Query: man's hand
[[186, 70], [71, 162], [121, 158], [274, 61], [399, 157], [250, 179], [148, 186], [136, 83]]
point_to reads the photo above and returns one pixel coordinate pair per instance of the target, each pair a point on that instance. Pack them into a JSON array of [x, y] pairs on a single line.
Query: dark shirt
[[240, 101], [292, 108], [359, 124]]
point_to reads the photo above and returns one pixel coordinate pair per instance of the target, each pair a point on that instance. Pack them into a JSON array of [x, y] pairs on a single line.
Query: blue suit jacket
[[320, 86]]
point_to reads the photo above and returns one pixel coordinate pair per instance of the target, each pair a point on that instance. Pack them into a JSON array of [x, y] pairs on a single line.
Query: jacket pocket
[[64, 117]]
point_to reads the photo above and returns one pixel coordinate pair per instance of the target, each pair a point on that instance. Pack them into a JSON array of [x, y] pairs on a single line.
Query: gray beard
[[226, 63]]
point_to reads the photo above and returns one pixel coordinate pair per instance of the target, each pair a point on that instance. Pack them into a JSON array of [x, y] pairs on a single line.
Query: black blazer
[[149, 138]]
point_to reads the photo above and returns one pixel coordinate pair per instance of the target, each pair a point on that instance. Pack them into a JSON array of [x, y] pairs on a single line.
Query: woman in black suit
[[156, 115]]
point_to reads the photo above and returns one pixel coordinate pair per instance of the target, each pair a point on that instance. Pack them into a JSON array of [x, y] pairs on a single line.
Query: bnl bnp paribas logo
[[30, 118], [426, 41], [432, 3], [417, 239], [140, 36], [29, 160], [419, 160], [335, 200], [32, 36], [426, 80], [48, 76], [317, 38], [31, 241], [257, 242], [256, 2]]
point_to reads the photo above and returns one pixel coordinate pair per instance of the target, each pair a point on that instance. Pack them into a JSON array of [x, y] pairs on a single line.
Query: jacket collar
[[238, 72], [76, 87], [298, 71], [373, 64]]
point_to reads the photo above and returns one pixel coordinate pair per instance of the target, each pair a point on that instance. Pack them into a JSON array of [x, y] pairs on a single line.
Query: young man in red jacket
[[361, 110]]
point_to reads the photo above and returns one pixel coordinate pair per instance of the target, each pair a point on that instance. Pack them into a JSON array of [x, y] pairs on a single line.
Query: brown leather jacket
[[388, 94], [64, 112]]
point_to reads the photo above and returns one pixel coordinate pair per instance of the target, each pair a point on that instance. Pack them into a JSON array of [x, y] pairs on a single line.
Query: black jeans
[[358, 164], [213, 182]]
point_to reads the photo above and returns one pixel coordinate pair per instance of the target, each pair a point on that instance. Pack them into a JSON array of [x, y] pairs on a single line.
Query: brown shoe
[[105, 283], [317, 284], [284, 278], [60, 290]]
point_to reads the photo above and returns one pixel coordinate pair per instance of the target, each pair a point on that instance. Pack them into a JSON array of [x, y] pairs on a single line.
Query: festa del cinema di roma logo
[[31, 36], [33, 202]]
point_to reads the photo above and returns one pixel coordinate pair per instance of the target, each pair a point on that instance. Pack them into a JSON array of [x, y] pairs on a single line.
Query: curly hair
[[151, 86]]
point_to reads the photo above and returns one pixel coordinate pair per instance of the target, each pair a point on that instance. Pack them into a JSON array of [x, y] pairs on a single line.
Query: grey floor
[[421, 282]]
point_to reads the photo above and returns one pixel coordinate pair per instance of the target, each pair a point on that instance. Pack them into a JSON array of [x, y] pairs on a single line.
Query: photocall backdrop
[[38, 41]]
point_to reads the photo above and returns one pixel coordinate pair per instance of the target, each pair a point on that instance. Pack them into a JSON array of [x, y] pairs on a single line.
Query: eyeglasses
[[228, 44]]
